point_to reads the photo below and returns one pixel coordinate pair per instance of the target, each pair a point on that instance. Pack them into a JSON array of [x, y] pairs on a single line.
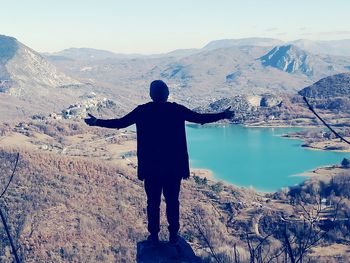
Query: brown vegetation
[[65, 208]]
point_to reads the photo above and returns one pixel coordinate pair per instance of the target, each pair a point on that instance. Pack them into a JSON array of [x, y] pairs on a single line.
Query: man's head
[[159, 91]]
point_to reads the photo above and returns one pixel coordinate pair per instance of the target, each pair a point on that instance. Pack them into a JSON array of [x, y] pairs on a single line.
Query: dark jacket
[[161, 137]]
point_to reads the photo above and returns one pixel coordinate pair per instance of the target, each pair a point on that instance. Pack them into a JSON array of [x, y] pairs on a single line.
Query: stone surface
[[166, 253]]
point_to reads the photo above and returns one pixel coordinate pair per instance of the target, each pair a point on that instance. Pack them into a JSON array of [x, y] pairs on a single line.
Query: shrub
[[217, 187], [345, 163]]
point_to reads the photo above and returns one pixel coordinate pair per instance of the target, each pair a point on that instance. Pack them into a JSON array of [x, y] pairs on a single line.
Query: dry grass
[[85, 204]]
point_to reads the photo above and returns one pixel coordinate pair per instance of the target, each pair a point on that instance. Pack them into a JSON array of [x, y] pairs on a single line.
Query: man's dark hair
[[159, 91]]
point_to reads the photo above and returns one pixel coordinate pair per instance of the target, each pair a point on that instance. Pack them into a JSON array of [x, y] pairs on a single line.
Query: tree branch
[[3, 219], [13, 173], [327, 125]]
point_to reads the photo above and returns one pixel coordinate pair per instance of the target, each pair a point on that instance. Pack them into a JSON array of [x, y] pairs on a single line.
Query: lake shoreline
[[225, 152], [204, 172], [320, 173], [331, 146], [325, 172]]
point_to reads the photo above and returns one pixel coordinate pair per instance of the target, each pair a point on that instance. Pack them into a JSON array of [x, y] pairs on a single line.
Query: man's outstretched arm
[[202, 118], [120, 123]]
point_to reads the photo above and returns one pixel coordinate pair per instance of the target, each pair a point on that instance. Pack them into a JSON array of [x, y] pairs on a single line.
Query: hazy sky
[[155, 26]]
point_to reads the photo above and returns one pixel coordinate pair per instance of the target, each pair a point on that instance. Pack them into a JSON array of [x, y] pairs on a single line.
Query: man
[[161, 151]]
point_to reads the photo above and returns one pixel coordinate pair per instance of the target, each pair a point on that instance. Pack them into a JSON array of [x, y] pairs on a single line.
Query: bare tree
[[301, 236], [290, 240], [3, 219]]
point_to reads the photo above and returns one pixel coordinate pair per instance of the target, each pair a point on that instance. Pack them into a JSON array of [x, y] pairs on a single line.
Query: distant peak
[[4, 37], [288, 58], [288, 47], [8, 48], [252, 41]]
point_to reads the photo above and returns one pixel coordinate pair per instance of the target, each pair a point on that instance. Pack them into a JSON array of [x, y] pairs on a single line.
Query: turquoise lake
[[254, 157]]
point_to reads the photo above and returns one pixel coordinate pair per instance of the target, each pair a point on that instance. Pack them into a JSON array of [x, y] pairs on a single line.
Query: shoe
[[153, 240], [174, 239]]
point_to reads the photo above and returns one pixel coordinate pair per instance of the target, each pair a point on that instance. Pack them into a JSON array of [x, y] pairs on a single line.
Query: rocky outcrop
[[293, 60], [289, 59], [26, 69], [248, 108], [165, 252], [269, 100], [80, 110], [30, 84]]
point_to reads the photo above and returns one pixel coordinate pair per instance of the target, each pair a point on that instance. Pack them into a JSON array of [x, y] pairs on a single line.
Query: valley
[[77, 184], [76, 191]]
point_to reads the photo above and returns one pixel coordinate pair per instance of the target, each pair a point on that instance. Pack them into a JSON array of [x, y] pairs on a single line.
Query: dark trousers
[[171, 189]]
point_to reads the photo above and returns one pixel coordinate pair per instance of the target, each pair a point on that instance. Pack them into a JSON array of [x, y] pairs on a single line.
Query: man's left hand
[[91, 121], [229, 113]]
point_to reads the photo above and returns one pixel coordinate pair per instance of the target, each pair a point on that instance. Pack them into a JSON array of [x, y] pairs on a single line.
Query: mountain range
[[75, 197], [331, 47], [22, 68], [222, 68], [31, 82]]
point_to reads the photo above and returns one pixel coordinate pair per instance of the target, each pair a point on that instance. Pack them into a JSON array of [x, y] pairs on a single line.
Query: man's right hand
[[229, 113], [91, 121]]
